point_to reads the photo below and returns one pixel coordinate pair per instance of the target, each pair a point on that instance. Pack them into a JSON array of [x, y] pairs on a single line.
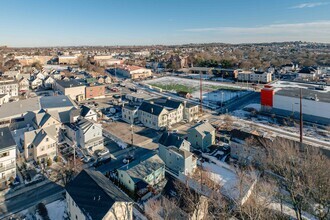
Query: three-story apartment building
[[7, 155]]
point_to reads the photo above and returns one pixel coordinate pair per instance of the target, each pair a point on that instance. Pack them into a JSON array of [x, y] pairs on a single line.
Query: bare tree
[[228, 122]]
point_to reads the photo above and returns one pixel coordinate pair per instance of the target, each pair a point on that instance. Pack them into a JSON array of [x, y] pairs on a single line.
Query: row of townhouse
[[160, 113], [8, 89]]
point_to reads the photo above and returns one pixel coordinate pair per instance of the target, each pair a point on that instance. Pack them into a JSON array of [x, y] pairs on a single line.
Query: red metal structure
[[267, 94]]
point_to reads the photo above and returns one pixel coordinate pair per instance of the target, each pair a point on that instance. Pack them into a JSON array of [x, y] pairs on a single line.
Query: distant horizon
[[150, 45]]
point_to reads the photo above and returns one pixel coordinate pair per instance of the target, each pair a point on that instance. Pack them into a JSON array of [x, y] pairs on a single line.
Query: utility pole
[[74, 157], [201, 93], [301, 119]]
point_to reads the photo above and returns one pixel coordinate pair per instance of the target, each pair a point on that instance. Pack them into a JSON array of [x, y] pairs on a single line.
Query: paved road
[[30, 198]]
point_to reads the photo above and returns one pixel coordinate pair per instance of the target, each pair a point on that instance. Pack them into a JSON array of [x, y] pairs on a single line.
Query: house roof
[[203, 128], [69, 83], [168, 103], [143, 167], [35, 137], [94, 194], [169, 139], [42, 117], [6, 138], [84, 110], [59, 101], [151, 108]]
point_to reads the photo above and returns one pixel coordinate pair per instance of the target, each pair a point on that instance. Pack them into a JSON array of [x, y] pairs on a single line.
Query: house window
[[5, 154], [129, 181], [47, 139], [121, 175]]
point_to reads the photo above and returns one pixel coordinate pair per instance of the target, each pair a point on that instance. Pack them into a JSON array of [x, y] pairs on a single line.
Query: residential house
[[190, 111], [4, 98], [8, 86], [7, 155], [36, 83], [175, 152], [86, 134], [49, 82], [174, 108], [108, 80], [255, 76], [309, 72], [201, 136], [24, 84], [145, 171], [130, 114], [88, 113], [153, 116], [41, 144], [44, 119], [67, 60], [100, 80], [72, 88], [90, 195]]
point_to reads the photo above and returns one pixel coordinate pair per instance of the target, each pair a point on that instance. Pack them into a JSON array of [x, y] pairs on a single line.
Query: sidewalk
[[10, 194]]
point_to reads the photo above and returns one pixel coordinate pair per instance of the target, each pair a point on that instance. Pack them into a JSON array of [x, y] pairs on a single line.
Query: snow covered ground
[[309, 131], [56, 211], [210, 91]]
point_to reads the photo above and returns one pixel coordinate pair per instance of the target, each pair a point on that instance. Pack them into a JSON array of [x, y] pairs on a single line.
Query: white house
[[92, 196], [7, 155]]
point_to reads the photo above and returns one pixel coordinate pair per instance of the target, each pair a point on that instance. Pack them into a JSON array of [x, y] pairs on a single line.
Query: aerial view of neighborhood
[[164, 110]]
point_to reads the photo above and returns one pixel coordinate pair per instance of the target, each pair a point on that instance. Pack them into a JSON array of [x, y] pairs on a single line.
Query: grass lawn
[[176, 87]]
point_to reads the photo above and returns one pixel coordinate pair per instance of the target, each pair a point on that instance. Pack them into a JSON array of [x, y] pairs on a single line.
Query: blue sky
[[146, 22]]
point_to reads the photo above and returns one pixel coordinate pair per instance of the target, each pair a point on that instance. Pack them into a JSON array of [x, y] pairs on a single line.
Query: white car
[[103, 152]]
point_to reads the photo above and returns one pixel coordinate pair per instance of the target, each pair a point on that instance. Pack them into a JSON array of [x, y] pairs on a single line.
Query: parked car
[[100, 161], [128, 159], [103, 152]]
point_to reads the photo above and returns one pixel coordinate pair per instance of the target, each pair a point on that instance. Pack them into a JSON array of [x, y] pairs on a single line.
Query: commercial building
[[286, 102], [7, 156], [68, 60], [133, 72], [95, 91], [90, 195], [72, 88]]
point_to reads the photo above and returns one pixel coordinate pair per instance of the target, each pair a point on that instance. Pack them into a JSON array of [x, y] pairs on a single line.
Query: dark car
[[101, 161]]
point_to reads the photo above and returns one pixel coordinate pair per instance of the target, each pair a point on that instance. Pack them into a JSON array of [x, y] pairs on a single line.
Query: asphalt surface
[[118, 162], [30, 198]]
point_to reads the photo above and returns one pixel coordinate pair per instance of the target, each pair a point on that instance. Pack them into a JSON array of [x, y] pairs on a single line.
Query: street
[[30, 198]]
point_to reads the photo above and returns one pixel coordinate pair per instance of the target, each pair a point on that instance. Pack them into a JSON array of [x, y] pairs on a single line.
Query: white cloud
[[316, 26], [309, 5], [317, 31]]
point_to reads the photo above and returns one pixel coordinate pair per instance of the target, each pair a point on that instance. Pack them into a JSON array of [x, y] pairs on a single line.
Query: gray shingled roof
[[203, 128], [143, 167], [94, 194], [69, 83], [151, 108], [169, 139], [6, 138]]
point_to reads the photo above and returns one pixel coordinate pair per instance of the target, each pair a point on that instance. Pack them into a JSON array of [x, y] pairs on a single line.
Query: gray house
[[143, 172], [175, 152], [201, 136]]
